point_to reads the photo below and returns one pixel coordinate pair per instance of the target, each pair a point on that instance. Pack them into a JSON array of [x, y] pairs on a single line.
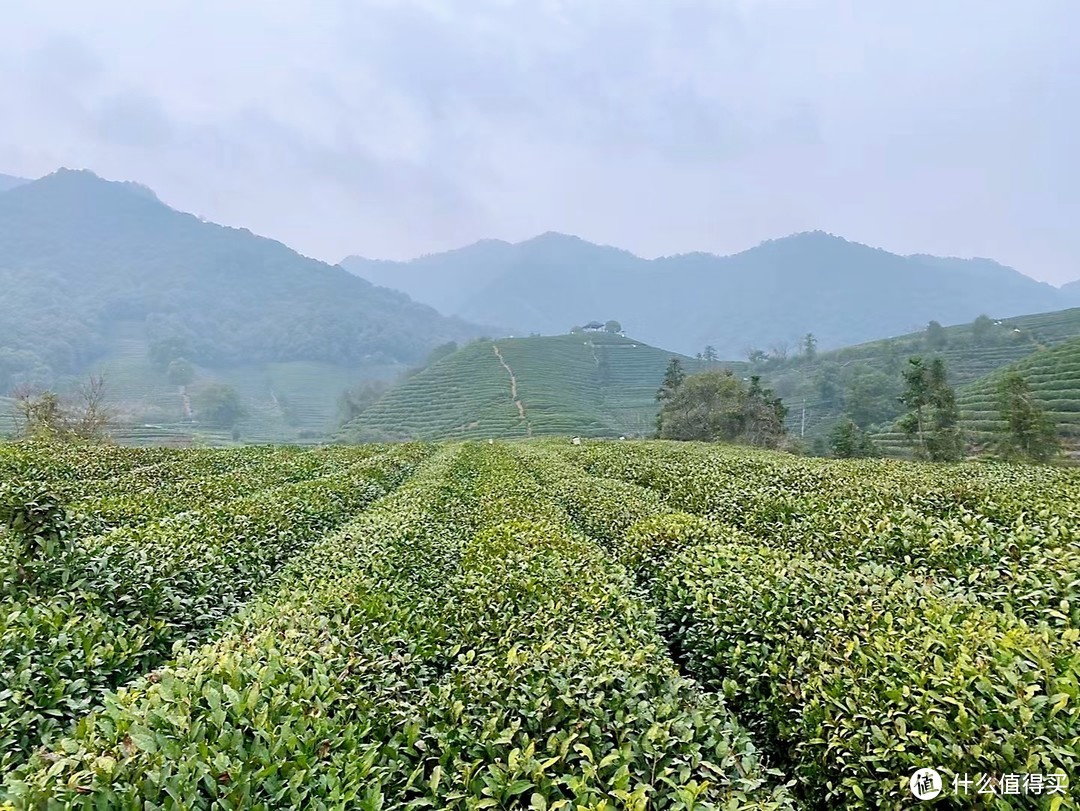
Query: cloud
[[398, 127]]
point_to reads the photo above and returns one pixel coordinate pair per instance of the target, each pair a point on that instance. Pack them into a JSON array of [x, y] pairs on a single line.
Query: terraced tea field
[[533, 625], [1054, 376], [592, 384]]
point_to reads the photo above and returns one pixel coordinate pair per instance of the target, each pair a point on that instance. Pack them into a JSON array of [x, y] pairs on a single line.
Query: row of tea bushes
[[456, 647], [116, 607], [857, 675], [148, 493], [70, 465], [1016, 545], [865, 676]]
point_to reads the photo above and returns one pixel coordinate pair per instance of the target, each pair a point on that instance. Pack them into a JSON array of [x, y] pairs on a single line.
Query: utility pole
[[802, 421]]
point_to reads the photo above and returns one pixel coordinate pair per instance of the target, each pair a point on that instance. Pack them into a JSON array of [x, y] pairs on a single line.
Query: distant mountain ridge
[[10, 182], [92, 270], [1072, 290], [843, 292]]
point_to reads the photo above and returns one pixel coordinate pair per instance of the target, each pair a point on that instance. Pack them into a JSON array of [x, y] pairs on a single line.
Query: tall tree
[[981, 328], [916, 397], [710, 355], [613, 327], [1029, 434], [946, 443], [764, 416], [933, 418], [936, 337], [673, 379], [809, 345]]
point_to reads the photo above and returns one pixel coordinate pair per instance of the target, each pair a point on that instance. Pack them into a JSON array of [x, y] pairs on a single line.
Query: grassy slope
[[592, 385], [966, 361]]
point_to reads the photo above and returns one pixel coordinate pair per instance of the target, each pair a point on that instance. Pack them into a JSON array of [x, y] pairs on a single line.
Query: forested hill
[[79, 255], [864, 382], [841, 291]]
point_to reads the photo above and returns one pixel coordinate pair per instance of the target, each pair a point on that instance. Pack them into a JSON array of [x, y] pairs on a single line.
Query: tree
[[165, 351], [180, 372], [1029, 434], [916, 397], [946, 443], [932, 421], [709, 355], [91, 419], [614, 327], [848, 441], [708, 406], [827, 384], [756, 356], [673, 379], [981, 328], [936, 337], [779, 351], [38, 415], [871, 397], [764, 416], [576, 330], [809, 346], [43, 415], [715, 406], [218, 404]]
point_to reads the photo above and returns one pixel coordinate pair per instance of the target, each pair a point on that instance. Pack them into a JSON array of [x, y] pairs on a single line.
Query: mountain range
[[102, 277], [78, 254], [771, 295]]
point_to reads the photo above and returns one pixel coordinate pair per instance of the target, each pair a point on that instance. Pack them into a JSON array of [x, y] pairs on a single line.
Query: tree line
[[717, 406]]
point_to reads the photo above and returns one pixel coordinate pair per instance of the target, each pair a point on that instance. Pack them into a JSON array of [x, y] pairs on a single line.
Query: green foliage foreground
[[606, 626]]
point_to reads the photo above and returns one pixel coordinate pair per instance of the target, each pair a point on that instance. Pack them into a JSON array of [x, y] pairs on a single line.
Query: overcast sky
[[392, 128]]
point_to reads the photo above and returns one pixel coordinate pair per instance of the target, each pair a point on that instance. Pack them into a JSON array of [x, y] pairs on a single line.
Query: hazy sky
[[392, 128]]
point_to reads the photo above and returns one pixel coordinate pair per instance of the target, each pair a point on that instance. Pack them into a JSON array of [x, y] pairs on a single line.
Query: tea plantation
[[593, 384], [532, 625]]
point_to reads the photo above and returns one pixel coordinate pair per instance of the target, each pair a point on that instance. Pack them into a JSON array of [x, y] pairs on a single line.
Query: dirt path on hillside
[[592, 349], [513, 389], [185, 402]]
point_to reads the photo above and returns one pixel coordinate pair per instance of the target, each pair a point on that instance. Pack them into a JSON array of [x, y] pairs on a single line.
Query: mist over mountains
[[80, 256], [843, 292]]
